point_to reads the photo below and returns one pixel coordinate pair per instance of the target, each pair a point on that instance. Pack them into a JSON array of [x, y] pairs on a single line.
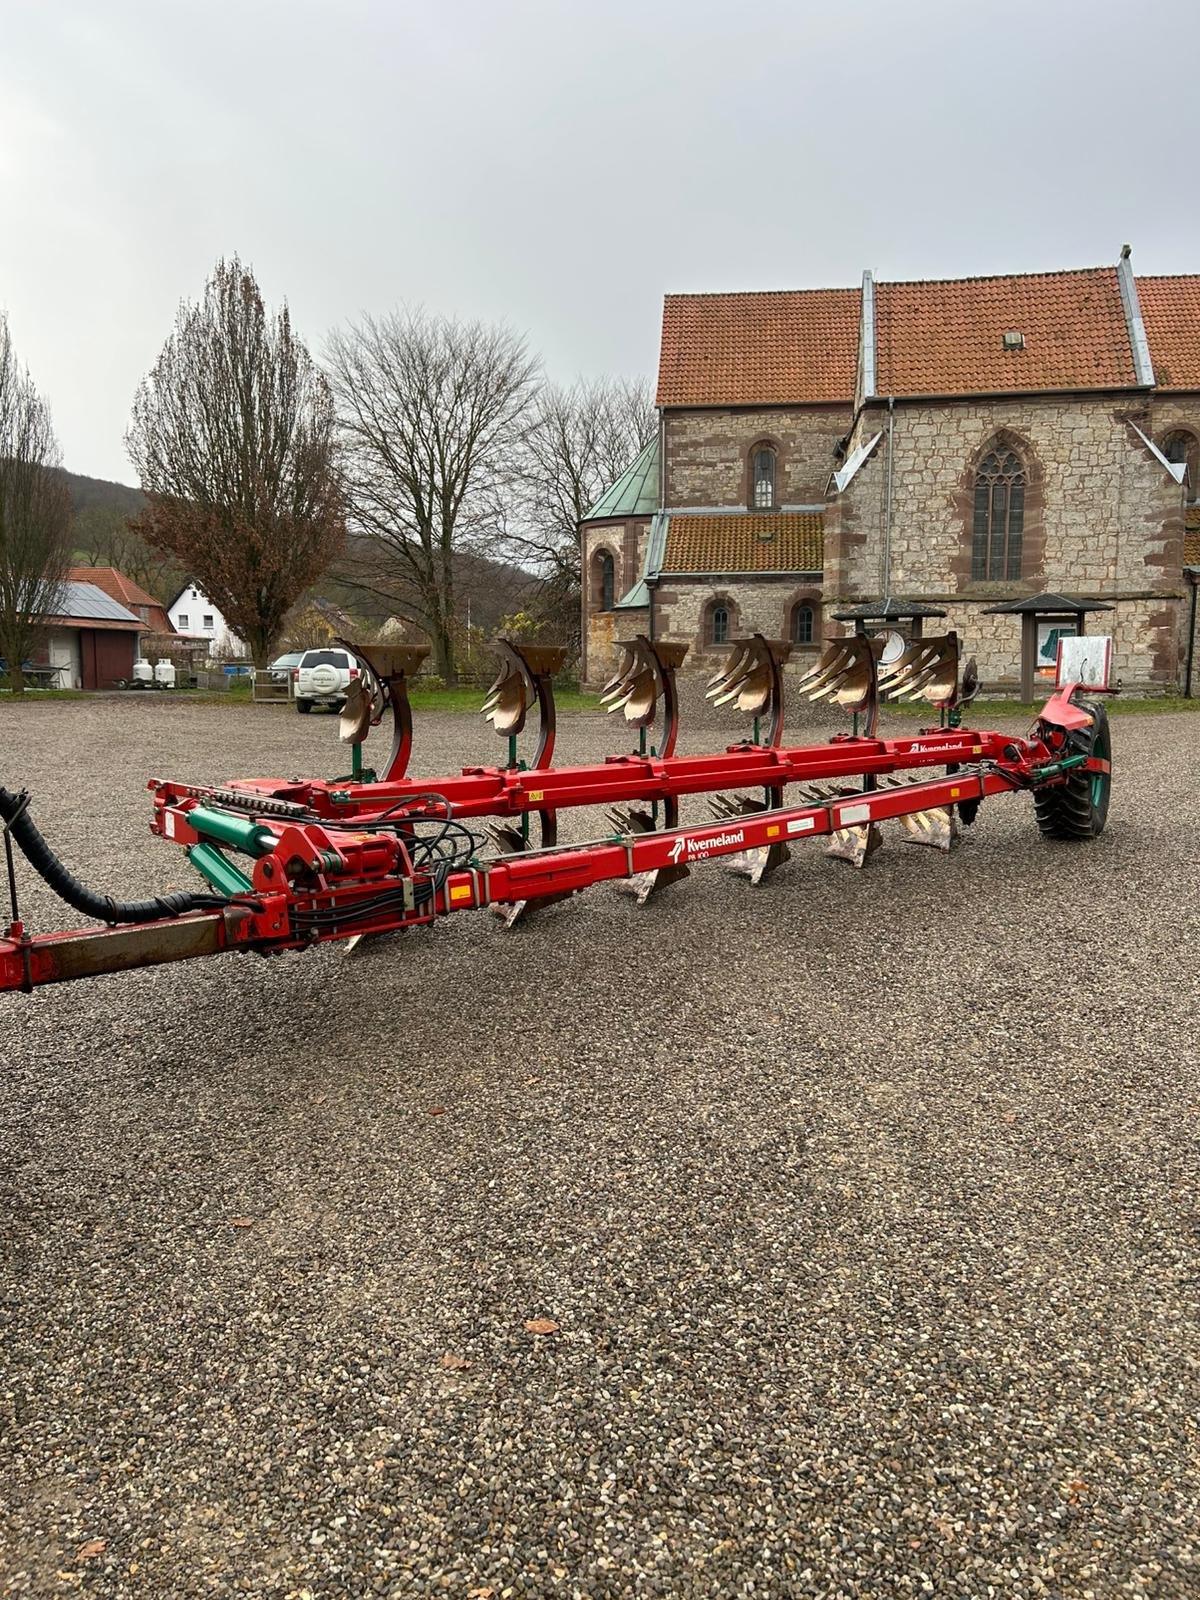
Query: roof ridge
[[993, 277], [752, 294], [900, 283]]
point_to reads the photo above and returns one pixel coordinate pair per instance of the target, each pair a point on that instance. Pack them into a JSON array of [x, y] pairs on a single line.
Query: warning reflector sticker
[[849, 815]]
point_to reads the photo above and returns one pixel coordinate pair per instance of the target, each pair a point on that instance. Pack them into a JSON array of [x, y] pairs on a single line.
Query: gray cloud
[[559, 166]]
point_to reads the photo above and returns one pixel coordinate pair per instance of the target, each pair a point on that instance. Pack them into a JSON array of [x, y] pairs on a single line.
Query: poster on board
[[1048, 635]]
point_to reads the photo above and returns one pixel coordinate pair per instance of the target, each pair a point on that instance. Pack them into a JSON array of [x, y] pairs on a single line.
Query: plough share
[[289, 864]]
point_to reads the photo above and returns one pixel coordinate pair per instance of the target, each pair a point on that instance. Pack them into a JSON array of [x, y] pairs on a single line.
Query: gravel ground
[[865, 1204]]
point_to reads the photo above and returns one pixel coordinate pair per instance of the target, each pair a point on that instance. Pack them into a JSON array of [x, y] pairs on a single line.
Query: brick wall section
[[706, 453]]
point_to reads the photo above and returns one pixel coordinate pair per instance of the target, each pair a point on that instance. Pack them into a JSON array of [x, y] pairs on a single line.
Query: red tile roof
[[795, 347], [787, 542], [1171, 312], [1191, 537], [946, 337], [127, 593], [935, 337]]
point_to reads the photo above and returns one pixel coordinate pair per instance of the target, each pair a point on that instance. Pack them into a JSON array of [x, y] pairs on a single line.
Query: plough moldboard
[[288, 864]]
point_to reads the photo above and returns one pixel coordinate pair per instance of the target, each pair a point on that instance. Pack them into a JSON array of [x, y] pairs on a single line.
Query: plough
[[289, 864]]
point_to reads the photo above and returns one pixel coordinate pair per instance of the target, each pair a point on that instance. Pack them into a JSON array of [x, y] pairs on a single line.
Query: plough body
[[304, 862]]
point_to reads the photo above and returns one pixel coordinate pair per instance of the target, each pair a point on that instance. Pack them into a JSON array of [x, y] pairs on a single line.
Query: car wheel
[[303, 707]]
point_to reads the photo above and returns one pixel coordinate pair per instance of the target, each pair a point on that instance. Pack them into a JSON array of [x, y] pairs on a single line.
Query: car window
[[325, 658]]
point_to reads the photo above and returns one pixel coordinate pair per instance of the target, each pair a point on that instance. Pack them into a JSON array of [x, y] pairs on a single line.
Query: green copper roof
[[637, 599], [635, 493]]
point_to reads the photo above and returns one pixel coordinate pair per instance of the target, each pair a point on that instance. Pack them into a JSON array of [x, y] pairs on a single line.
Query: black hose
[[14, 814]]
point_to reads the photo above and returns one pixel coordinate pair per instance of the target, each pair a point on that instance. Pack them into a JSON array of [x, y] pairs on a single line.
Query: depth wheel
[[1078, 807]]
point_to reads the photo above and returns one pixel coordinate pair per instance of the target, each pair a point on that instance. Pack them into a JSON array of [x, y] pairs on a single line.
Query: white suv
[[322, 678]]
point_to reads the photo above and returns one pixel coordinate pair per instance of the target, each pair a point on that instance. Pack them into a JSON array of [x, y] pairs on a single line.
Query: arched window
[[605, 579], [718, 625], [999, 516], [762, 478], [802, 624], [1181, 446]]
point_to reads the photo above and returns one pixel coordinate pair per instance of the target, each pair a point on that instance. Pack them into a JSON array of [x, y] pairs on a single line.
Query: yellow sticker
[[954, 793], [773, 831], [976, 749], [460, 891], [536, 794]]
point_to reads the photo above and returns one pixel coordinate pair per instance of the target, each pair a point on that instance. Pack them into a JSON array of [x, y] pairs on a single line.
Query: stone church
[[1027, 442]]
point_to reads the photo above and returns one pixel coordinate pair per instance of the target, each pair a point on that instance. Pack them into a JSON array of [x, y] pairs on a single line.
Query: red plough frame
[[315, 861]]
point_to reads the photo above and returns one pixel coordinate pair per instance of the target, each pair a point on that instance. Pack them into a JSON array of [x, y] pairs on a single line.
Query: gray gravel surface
[[865, 1204]]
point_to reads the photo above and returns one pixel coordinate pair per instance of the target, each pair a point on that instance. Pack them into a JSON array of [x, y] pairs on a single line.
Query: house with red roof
[[949, 446], [125, 592]]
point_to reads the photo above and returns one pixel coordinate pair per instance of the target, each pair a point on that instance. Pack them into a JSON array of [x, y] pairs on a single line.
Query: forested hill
[[487, 589], [98, 494]]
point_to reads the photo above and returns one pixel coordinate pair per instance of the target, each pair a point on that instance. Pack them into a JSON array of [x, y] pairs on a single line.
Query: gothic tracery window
[[999, 520], [762, 478]]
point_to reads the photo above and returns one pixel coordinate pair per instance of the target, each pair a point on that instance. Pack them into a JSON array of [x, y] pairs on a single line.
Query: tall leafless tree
[[580, 440], [232, 435], [35, 513], [429, 409]]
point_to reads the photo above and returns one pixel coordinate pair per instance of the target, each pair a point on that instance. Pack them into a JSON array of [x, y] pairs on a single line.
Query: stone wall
[[682, 607], [1185, 625], [625, 540], [995, 642], [707, 453], [1102, 518]]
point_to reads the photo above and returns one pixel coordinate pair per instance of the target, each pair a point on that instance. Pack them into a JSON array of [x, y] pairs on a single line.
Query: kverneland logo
[[709, 841]]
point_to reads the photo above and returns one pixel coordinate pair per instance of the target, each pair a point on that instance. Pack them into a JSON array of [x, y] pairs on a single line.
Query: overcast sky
[[560, 166]]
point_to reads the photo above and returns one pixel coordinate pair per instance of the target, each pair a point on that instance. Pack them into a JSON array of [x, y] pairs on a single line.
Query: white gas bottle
[[143, 672], [164, 674]]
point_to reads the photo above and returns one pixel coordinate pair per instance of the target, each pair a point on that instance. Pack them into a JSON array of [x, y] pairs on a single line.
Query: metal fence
[[270, 689]]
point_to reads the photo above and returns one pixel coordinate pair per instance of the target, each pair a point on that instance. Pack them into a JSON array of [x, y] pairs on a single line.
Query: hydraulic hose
[[14, 815]]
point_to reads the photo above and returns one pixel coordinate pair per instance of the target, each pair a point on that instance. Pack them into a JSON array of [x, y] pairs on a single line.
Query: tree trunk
[[10, 649], [443, 653], [259, 646]]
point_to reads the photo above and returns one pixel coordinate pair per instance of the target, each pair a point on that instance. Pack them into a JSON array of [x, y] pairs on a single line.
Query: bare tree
[[429, 410], [580, 440], [35, 513], [232, 435]]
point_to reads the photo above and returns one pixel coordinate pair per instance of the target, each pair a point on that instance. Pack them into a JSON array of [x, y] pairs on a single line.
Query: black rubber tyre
[[303, 706], [1078, 808]]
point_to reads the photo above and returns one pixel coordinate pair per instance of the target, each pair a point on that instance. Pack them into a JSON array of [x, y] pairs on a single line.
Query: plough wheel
[[1078, 808]]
